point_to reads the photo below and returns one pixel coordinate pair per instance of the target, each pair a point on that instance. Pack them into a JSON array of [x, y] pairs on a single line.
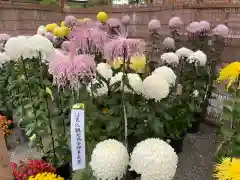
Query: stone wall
[[24, 18]]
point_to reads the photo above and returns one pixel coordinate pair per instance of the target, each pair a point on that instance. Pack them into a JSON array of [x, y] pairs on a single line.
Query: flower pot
[[132, 175], [177, 144], [196, 124], [64, 171]]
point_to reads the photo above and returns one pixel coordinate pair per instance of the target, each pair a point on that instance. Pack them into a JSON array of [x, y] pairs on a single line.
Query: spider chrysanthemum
[[230, 73], [228, 168]]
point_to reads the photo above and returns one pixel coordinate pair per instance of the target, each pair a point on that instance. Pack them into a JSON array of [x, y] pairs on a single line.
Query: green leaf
[[227, 133], [113, 125], [49, 92], [157, 127]]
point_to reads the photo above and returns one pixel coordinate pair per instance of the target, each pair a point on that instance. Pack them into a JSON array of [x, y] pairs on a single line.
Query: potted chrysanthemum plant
[[228, 151]]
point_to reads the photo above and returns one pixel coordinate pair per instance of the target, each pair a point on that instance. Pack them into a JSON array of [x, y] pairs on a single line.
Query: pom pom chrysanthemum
[[155, 87], [184, 52], [109, 160], [104, 70], [170, 58], [198, 57], [166, 73], [154, 159]]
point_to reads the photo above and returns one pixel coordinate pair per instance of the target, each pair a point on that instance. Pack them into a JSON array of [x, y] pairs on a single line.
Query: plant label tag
[[78, 137], [5, 169]]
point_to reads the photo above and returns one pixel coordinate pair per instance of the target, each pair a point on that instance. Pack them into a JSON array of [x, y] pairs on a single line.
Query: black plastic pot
[[177, 144], [196, 124], [64, 171]]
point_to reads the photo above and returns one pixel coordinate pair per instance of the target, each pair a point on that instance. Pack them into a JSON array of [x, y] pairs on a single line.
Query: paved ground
[[195, 162]]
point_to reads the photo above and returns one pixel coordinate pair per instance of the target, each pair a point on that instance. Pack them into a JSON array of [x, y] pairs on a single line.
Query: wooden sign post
[[5, 168]]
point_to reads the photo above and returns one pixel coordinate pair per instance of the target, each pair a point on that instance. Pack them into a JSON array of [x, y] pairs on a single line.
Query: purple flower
[[49, 36], [126, 20], [65, 46], [154, 25], [221, 30], [204, 26], [175, 22], [70, 21], [193, 29]]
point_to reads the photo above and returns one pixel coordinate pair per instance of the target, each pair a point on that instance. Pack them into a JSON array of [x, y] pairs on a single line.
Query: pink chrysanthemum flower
[[121, 46], [175, 23], [221, 30], [80, 36], [154, 25], [49, 36], [88, 36], [204, 26], [126, 20], [70, 69], [98, 38], [70, 21], [4, 37]]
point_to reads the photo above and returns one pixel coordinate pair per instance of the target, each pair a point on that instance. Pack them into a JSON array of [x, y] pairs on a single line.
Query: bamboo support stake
[[5, 168]]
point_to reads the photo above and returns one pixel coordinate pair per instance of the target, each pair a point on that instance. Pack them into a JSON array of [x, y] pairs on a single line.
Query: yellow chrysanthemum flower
[[230, 73], [51, 27], [138, 64], [228, 169], [46, 176], [102, 17], [60, 31], [63, 24]]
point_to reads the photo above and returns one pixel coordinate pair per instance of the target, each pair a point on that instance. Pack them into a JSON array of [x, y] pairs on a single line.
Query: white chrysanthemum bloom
[[166, 73], [17, 47], [101, 88], [199, 57], [41, 30], [43, 45], [118, 78], [135, 82], [4, 58], [155, 87], [184, 52], [104, 70], [154, 159], [170, 58], [169, 43], [109, 160]]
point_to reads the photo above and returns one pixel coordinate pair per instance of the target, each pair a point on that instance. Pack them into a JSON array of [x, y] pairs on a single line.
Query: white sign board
[[78, 137]]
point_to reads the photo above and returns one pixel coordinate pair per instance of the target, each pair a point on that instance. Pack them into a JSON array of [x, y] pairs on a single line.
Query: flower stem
[[47, 106], [123, 99], [31, 96], [60, 102]]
